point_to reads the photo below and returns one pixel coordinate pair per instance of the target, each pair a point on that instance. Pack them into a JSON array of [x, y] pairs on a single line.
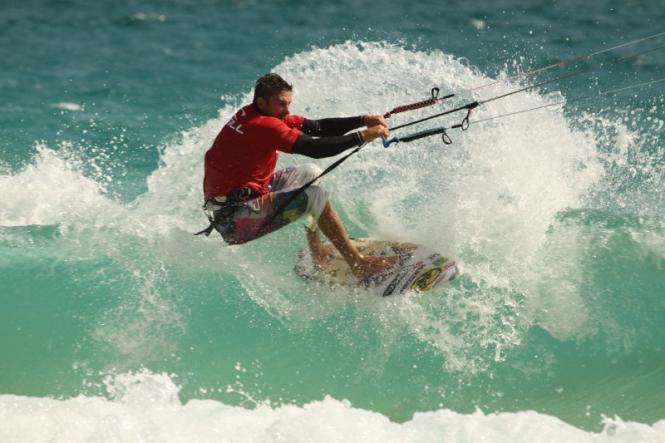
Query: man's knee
[[317, 198], [310, 171]]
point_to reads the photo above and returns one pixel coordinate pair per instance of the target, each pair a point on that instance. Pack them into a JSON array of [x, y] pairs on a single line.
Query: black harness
[[220, 210]]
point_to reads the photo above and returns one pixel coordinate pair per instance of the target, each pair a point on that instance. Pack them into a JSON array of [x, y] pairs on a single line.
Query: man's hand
[[374, 120], [374, 132]]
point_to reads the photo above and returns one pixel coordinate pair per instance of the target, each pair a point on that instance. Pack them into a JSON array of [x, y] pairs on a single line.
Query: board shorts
[[244, 221]]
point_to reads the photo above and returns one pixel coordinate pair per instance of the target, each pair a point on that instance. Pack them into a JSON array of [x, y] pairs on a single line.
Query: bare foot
[[321, 253], [370, 265]]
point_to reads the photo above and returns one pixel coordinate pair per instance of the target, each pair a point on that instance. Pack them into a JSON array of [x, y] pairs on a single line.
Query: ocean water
[[116, 324]]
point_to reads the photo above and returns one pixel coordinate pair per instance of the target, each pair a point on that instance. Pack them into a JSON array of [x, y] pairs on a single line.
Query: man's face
[[278, 105]]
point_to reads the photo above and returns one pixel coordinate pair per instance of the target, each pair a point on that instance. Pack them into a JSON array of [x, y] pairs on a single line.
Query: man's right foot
[[370, 265]]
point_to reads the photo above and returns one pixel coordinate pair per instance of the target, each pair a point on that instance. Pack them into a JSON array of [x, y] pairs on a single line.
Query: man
[[248, 199]]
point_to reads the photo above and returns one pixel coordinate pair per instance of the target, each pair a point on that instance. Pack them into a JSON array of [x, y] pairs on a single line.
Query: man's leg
[[320, 252], [318, 205], [361, 266]]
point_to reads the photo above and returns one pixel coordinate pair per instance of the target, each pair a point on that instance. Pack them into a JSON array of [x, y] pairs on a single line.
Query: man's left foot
[[322, 253]]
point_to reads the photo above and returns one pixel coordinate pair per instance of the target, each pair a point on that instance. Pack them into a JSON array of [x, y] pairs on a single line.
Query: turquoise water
[[116, 322]]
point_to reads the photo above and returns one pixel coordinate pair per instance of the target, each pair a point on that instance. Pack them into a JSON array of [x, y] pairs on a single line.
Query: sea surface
[[117, 324]]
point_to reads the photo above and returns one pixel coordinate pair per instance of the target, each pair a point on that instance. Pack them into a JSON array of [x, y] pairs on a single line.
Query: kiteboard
[[418, 269]]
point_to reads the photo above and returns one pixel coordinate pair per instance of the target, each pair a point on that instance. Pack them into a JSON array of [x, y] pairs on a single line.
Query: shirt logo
[[233, 123]]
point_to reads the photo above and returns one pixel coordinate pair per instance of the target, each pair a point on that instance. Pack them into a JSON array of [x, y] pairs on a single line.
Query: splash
[[49, 191]]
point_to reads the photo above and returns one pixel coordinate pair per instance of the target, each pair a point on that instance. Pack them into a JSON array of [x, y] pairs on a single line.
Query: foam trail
[[145, 406]]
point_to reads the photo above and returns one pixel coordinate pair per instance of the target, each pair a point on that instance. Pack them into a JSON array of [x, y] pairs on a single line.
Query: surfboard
[[419, 268]]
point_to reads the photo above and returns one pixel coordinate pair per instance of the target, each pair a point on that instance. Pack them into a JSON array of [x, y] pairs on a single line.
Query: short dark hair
[[269, 85]]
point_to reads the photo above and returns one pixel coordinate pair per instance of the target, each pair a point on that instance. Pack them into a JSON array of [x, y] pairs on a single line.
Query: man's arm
[[331, 146], [328, 127], [325, 146]]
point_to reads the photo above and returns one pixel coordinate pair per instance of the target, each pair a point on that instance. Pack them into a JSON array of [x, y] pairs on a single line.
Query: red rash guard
[[244, 154]]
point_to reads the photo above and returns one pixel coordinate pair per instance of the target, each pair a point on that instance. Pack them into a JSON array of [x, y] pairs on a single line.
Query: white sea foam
[[146, 407], [68, 106], [149, 17], [478, 23], [49, 191]]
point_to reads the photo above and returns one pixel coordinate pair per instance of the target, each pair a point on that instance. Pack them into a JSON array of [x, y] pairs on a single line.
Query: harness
[[220, 210]]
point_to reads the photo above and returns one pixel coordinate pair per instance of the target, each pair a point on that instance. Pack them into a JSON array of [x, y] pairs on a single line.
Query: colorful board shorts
[[248, 219]]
